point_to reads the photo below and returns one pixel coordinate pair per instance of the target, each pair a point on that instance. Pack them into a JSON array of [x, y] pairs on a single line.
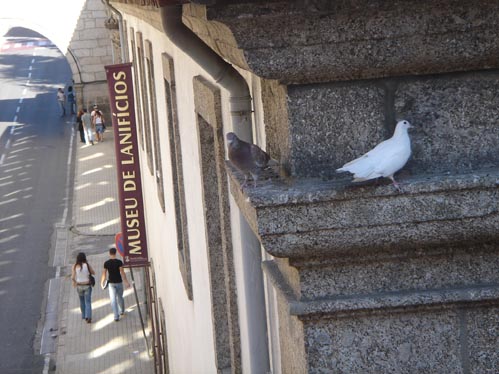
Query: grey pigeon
[[247, 158], [385, 159]]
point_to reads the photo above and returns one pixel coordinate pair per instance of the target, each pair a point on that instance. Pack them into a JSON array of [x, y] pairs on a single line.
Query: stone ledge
[[402, 301], [310, 217], [351, 39]]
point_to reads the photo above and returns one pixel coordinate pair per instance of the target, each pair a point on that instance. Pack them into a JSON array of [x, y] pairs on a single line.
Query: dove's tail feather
[[360, 179], [361, 168]]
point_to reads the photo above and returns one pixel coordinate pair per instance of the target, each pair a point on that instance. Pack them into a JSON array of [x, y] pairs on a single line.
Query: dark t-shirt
[[113, 269]]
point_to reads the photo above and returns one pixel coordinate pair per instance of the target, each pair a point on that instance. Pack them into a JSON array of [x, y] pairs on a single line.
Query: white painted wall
[[189, 324]]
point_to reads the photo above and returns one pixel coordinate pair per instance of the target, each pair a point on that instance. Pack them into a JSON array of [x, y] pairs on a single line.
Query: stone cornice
[[281, 41], [149, 14], [380, 303], [313, 218], [155, 3]]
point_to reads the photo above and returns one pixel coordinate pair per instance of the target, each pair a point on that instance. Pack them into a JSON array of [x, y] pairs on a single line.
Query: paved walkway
[[104, 346]]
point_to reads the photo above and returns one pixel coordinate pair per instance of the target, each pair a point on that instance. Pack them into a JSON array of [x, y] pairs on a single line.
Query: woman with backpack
[[82, 275], [99, 126]]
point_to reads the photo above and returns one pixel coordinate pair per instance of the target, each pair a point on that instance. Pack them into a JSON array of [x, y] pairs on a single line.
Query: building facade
[[306, 272]]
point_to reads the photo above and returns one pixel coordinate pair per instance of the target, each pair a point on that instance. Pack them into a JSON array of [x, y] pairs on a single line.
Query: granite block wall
[[461, 342], [377, 280], [91, 48], [454, 118], [370, 279]]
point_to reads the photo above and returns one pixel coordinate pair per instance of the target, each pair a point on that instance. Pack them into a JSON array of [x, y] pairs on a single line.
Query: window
[[218, 235], [158, 168], [126, 46], [138, 106], [158, 323], [163, 341], [177, 174], [148, 106]]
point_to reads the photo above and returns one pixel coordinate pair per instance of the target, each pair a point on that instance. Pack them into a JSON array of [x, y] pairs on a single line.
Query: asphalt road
[[34, 166]]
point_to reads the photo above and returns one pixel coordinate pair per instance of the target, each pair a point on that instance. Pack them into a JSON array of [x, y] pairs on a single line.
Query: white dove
[[385, 159]]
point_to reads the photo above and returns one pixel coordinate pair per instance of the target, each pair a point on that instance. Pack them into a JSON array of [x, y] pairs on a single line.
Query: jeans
[[117, 301], [89, 135], [82, 136], [85, 294], [62, 105]]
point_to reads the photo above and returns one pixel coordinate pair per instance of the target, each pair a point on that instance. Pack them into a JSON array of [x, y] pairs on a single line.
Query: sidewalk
[[104, 346]]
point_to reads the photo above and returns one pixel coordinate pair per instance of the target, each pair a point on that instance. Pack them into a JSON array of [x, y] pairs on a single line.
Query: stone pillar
[[91, 49], [78, 89], [371, 279]]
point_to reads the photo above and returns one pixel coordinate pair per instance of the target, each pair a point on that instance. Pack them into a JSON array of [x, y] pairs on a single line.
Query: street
[[35, 171]]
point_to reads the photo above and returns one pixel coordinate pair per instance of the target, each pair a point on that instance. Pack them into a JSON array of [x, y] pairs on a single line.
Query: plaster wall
[[189, 324]]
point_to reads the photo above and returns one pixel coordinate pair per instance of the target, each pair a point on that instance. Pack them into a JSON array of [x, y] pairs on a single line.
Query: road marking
[[7, 44], [8, 201], [46, 364], [68, 173]]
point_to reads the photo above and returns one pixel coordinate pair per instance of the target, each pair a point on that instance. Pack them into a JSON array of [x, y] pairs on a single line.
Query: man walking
[[115, 274], [86, 120], [71, 99], [61, 100]]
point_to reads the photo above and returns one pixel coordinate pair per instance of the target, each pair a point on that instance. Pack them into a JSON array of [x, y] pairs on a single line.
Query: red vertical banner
[[122, 104]]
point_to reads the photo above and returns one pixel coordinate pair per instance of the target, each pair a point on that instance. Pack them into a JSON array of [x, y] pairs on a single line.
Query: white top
[[82, 273]]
